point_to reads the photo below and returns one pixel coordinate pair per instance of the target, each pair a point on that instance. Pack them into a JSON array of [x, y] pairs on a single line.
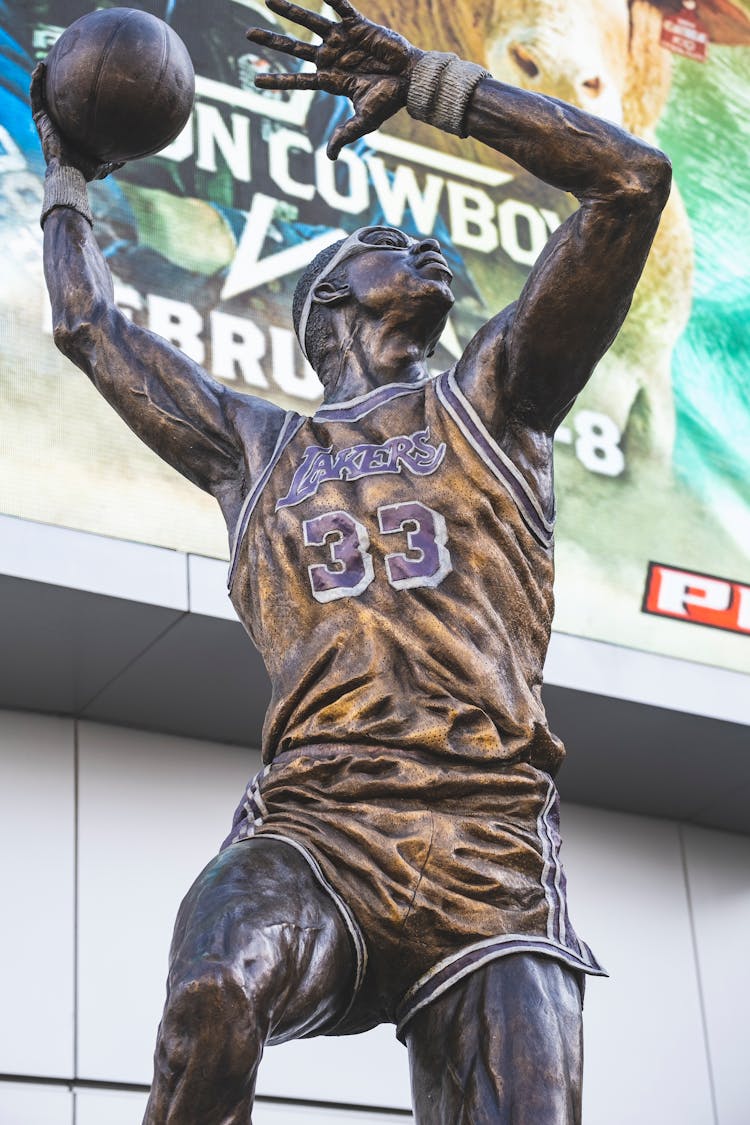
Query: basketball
[[119, 84]]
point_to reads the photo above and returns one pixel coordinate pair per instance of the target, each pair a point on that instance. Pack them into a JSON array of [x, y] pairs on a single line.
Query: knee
[[207, 1050], [206, 1005]]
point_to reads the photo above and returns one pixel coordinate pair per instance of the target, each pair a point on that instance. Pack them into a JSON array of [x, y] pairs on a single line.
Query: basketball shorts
[[437, 866]]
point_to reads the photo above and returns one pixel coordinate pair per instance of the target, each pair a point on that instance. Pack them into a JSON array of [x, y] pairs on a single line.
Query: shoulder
[[482, 370], [482, 376], [258, 425]]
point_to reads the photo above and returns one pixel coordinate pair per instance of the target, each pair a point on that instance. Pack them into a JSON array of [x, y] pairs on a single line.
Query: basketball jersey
[[394, 569]]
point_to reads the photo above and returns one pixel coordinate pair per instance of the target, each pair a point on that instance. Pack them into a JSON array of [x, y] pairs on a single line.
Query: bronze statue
[[397, 859]]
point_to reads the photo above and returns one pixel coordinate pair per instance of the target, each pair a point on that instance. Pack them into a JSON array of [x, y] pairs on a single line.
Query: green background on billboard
[[706, 131]]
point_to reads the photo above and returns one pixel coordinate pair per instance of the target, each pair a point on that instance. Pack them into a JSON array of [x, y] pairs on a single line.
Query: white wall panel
[[647, 677], [35, 1105], [37, 840], [153, 811], [42, 552], [268, 1114], [371, 1069], [645, 1052], [109, 1107], [115, 1107], [718, 865], [207, 583]]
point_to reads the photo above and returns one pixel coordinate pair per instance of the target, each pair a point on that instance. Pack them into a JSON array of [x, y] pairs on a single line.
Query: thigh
[[258, 915], [501, 1047]]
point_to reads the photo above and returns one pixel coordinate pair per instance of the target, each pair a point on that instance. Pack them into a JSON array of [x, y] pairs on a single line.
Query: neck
[[367, 356]]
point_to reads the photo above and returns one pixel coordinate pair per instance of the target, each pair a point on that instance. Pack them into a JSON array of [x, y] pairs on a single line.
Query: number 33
[[350, 569]]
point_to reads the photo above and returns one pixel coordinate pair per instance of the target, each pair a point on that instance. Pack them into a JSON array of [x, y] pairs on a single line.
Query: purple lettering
[[412, 451], [376, 459], [426, 457], [345, 465], [400, 448], [314, 468]]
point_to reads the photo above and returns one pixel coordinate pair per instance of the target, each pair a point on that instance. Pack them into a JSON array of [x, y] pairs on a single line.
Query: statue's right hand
[[365, 62], [55, 148]]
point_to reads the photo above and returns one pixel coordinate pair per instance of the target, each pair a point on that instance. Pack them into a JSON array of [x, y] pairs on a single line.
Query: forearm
[[565, 146], [558, 143], [580, 288], [168, 401], [79, 283]]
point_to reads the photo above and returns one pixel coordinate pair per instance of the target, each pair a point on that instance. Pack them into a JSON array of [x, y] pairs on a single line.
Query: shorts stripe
[[553, 877], [358, 941], [548, 878], [453, 969]]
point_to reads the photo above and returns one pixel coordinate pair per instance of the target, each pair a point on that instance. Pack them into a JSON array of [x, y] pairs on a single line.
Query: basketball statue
[[397, 858]]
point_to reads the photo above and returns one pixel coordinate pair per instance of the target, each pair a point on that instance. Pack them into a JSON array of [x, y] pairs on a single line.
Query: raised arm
[[169, 402], [537, 355], [193, 422], [531, 360]]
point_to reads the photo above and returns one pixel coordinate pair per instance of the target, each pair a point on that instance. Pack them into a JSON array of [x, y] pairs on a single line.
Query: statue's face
[[399, 277], [400, 284]]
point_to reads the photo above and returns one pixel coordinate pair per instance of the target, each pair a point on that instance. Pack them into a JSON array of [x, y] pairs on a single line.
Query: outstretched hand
[[54, 146], [367, 63]]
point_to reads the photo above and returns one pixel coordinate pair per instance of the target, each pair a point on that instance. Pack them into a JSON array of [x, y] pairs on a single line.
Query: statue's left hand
[[367, 63], [55, 148]]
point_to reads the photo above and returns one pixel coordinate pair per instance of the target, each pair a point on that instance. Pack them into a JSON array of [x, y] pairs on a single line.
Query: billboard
[[206, 241]]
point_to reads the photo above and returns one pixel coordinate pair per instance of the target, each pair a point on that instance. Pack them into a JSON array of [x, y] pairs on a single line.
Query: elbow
[[69, 335], [647, 182], [76, 332], [657, 177]]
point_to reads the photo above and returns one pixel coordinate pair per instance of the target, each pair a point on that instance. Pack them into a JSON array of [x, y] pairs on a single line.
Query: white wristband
[[441, 88], [65, 186]]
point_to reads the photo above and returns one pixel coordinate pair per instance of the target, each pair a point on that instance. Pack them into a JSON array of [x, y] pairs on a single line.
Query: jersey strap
[[355, 408], [289, 428], [499, 464]]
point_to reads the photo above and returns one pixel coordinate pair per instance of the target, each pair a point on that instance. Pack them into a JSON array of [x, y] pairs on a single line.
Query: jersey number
[[350, 570]]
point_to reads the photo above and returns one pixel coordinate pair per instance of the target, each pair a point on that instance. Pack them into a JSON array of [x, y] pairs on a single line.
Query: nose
[[533, 71], [425, 244]]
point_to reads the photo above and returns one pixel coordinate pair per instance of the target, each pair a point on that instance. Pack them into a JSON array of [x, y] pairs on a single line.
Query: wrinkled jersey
[[395, 571]]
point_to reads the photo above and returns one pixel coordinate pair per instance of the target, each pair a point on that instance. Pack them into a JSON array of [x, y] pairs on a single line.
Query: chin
[[448, 299], [437, 289]]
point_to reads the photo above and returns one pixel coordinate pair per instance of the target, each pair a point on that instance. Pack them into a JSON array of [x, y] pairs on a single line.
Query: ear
[[330, 293]]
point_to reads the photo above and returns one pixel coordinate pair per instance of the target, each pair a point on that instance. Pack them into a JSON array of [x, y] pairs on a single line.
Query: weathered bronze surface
[[397, 858], [120, 84]]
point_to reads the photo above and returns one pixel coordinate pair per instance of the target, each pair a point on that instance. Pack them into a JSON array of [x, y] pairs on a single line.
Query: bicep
[[573, 305]]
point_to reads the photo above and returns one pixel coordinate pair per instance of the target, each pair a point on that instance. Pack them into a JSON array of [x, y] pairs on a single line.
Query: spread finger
[[342, 8], [287, 82], [311, 20], [284, 43]]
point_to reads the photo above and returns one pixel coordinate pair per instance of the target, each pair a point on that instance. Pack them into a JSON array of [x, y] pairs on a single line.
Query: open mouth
[[434, 261]]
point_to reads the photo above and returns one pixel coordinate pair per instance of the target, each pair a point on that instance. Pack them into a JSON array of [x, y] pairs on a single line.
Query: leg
[[502, 1047], [260, 952]]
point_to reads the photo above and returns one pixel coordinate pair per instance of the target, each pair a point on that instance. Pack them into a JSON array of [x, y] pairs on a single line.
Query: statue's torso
[[396, 575]]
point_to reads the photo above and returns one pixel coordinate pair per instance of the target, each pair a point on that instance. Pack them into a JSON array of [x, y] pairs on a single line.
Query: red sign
[[700, 598], [684, 34]]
